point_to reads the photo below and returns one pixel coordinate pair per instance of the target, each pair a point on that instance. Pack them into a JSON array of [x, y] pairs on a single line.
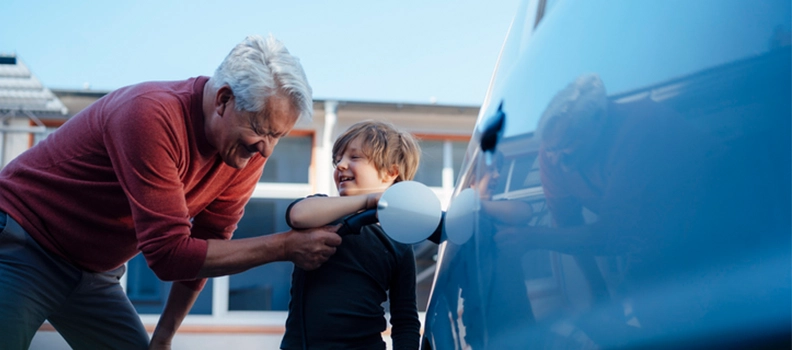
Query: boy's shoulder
[[311, 196], [317, 195]]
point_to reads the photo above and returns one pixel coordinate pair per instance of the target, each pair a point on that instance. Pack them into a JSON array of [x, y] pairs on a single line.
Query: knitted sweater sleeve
[[220, 218], [146, 146]]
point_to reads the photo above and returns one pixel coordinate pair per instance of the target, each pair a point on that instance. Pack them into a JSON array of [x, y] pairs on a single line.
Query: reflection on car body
[[654, 216]]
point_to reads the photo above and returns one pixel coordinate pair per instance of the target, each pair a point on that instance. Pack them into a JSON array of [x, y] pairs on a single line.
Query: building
[[26, 108], [253, 304]]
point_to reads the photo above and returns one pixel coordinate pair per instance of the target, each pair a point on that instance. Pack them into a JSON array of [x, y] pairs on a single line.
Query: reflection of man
[[619, 179], [624, 163], [162, 168]]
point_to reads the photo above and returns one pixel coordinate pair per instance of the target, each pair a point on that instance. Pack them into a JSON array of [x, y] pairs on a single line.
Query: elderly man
[[162, 168]]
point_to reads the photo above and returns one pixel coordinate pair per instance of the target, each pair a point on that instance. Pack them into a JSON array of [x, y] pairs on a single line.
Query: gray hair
[[258, 68], [576, 105]]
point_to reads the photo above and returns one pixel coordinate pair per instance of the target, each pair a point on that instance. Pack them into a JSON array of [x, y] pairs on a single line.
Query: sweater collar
[[204, 147]]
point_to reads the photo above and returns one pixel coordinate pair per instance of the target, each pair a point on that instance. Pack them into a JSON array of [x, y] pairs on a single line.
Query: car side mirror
[[408, 211]]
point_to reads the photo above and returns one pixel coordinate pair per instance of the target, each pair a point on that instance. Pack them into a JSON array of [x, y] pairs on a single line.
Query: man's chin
[[236, 163]]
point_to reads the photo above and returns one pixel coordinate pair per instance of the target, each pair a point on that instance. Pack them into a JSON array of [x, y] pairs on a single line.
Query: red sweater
[[132, 172]]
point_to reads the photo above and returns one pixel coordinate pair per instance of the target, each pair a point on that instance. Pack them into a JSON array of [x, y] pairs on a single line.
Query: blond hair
[[384, 145]]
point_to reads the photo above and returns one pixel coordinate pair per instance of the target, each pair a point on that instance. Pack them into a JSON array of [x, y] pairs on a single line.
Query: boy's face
[[355, 174], [487, 184]]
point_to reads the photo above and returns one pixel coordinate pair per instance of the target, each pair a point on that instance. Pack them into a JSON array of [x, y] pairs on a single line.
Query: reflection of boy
[[340, 304], [501, 271], [504, 213]]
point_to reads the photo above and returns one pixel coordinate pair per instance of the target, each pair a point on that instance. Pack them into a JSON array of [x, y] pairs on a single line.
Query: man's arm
[[305, 248], [585, 239], [318, 211], [180, 301]]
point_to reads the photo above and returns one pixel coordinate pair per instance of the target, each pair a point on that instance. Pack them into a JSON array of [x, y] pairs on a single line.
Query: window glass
[[458, 148], [148, 294], [290, 162], [524, 173], [265, 287], [142, 284], [430, 171]]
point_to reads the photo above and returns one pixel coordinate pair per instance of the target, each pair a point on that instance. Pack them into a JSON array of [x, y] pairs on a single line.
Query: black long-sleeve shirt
[[339, 305]]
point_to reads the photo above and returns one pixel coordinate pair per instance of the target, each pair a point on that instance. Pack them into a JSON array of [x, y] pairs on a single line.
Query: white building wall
[[15, 137]]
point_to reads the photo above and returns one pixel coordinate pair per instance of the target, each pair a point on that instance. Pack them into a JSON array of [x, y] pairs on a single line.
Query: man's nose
[[265, 147]]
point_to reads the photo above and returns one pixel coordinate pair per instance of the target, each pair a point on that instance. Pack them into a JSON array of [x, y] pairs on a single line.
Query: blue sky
[[397, 51]]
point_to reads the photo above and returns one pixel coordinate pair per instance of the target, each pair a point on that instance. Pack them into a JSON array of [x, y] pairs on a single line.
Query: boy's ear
[[391, 174]]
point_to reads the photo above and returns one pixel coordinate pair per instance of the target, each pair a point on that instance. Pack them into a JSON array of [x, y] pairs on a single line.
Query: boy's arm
[[318, 211], [406, 327]]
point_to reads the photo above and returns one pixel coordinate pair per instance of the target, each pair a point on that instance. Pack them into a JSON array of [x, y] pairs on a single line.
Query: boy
[[339, 305]]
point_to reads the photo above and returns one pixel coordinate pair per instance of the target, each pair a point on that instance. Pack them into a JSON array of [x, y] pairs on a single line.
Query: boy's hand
[[309, 249]]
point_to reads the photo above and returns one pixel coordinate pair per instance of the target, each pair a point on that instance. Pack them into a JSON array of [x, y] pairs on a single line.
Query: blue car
[[627, 184]]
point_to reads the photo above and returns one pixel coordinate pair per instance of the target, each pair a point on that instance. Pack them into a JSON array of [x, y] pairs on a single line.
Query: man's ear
[[223, 97]]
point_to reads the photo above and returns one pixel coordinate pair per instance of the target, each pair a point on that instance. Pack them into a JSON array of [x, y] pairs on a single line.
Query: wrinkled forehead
[[566, 130], [279, 114]]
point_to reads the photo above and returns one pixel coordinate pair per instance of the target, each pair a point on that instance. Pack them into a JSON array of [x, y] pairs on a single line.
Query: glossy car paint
[[682, 235]]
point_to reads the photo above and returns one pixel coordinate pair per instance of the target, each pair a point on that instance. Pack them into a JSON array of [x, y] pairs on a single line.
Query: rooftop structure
[[22, 93]]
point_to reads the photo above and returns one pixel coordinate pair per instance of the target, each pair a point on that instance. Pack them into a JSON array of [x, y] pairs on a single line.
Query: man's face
[[561, 152], [238, 136], [566, 145]]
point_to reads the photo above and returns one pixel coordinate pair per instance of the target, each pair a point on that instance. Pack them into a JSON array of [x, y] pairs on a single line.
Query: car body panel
[[683, 231]]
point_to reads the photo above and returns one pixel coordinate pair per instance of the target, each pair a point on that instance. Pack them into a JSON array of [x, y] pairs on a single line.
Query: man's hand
[[309, 249]]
